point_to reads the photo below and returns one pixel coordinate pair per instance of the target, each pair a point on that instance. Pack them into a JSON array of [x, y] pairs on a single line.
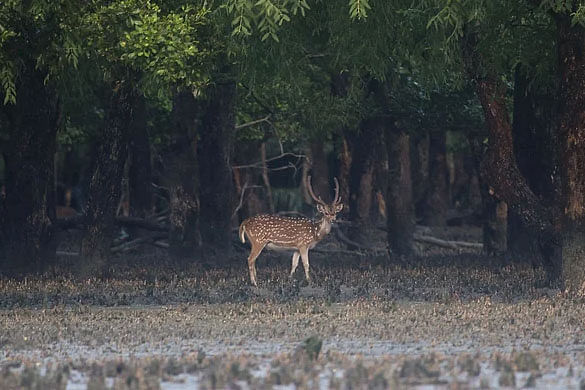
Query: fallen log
[[147, 224], [446, 243], [126, 246]]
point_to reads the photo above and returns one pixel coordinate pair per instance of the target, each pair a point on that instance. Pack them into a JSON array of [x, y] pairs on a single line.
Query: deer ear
[[320, 209], [338, 207]]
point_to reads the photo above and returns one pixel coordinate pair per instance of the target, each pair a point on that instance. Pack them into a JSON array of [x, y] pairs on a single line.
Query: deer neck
[[323, 228]]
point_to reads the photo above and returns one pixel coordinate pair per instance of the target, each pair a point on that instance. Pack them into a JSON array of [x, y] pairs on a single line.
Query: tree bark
[[535, 148], [29, 206], [214, 152], [361, 181], [494, 211], [106, 181], [181, 177], [499, 165], [345, 173], [140, 170], [266, 178], [464, 191], [419, 159], [437, 194], [399, 201], [495, 224], [571, 57]]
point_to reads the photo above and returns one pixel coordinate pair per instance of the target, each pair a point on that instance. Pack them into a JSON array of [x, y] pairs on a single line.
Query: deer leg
[[256, 249], [305, 256], [295, 262]]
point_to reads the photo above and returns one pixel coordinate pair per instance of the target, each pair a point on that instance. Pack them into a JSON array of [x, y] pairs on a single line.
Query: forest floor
[[440, 320]]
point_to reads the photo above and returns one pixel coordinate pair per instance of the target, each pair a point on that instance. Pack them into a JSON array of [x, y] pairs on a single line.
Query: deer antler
[[310, 188], [337, 198]]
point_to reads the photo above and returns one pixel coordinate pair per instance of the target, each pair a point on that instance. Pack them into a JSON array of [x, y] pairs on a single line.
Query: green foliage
[[136, 35], [7, 77], [358, 9], [266, 16], [41, 32]]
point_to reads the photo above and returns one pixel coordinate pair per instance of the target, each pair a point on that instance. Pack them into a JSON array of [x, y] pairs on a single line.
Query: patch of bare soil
[[444, 321]]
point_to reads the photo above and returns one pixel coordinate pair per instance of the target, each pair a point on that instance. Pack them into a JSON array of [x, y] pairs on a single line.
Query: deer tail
[[242, 231]]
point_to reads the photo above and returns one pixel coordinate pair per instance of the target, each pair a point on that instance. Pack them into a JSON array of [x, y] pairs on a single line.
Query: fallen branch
[[261, 164], [148, 224], [161, 244], [141, 223], [69, 222], [136, 242], [67, 254], [446, 243]]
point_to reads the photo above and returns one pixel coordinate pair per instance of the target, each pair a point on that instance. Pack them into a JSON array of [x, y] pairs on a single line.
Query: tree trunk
[[29, 206], [214, 152], [399, 202], [320, 171], [106, 181], [534, 131], [378, 209], [495, 224], [419, 158], [255, 199], [345, 173], [462, 183], [266, 178], [494, 211], [499, 165], [571, 56], [437, 195], [361, 181], [140, 173], [181, 177]]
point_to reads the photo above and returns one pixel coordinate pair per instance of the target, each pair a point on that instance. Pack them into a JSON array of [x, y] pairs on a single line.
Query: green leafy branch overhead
[[163, 47], [264, 15]]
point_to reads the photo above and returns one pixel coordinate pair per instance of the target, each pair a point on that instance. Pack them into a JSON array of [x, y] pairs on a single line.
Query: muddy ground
[[445, 319]]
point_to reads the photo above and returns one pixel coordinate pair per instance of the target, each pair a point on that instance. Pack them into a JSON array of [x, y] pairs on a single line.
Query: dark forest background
[[175, 120]]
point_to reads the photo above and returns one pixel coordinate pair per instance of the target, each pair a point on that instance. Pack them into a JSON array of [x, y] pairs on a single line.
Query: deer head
[[329, 211]]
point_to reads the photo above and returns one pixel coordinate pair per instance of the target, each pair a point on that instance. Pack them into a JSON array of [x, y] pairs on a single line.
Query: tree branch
[[252, 123]]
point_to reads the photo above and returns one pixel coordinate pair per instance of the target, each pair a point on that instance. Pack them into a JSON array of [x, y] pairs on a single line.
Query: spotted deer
[[296, 233]]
